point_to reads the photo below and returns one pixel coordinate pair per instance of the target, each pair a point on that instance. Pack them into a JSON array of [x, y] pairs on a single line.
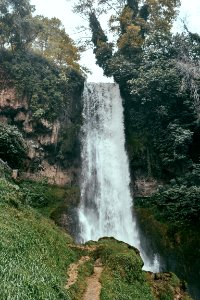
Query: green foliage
[[17, 27], [166, 286], [158, 78], [116, 288], [190, 178], [175, 148], [12, 146], [48, 88], [20, 30], [5, 170], [178, 204], [69, 143], [122, 277], [102, 49], [172, 240], [38, 59], [36, 194], [161, 118], [34, 253], [126, 265], [48, 198], [54, 43], [10, 194]]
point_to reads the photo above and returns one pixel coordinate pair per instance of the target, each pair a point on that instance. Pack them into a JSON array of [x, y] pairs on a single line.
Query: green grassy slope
[[34, 255]]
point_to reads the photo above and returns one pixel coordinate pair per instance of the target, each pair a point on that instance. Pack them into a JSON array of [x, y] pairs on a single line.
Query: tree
[[137, 29], [19, 30], [38, 58], [54, 43], [17, 26], [186, 46]]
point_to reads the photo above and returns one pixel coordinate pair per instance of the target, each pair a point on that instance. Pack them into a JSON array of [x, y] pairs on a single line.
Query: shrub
[[12, 146], [178, 204]]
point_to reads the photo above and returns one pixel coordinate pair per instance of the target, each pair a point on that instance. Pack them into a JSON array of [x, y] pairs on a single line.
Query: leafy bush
[[190, 178], [12, 145], [10, 194], [178, 204], [35, 193]]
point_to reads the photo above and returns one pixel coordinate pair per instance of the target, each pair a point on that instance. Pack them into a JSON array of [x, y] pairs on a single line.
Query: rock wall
[[47, 157], [144, 187]]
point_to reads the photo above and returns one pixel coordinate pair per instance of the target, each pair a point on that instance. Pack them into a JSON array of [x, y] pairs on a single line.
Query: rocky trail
[[93, 285], [98, 261], [73, 271]]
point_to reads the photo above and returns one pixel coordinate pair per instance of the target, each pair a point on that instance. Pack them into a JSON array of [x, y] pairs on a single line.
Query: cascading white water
[[106, 204]]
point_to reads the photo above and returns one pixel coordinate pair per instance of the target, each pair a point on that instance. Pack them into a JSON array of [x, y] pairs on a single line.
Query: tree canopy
[[17, 26], [158, 77], [54, 43], [20, 30]]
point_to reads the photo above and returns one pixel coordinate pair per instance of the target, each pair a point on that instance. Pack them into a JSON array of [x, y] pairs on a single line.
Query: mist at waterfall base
[[106, 203]]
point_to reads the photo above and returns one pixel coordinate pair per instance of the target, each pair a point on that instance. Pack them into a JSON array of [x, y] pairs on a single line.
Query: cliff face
[[53, 146]]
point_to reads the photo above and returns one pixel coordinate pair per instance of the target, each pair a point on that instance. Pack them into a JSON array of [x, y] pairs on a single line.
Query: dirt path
[[82, 247], [73, 271], [93, 285]]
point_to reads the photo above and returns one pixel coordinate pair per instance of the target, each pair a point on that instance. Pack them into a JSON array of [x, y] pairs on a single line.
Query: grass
[[34, 253], [122, 277]]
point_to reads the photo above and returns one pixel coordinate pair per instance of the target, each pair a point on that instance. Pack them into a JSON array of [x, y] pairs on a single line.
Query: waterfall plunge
[[106, 204]]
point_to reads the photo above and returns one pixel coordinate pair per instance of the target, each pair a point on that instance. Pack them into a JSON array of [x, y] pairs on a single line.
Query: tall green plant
[[12, 146]]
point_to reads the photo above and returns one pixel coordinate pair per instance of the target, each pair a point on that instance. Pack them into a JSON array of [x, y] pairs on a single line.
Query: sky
[[62, 9]]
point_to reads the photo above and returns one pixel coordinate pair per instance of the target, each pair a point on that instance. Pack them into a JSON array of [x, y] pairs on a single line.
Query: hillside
[[37, 256]]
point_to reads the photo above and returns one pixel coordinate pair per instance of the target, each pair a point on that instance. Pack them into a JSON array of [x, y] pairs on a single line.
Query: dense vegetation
[[12, 146], [39, 59], [39, 69], [158, 75], [122, 278]]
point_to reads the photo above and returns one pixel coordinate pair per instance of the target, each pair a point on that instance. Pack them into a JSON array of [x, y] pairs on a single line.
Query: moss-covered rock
[[123, 278]]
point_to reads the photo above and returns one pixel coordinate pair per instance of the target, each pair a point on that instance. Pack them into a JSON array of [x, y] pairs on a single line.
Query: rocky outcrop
[[144, 187], [8, 99], [118, 274], [53, 173], [52, 146]]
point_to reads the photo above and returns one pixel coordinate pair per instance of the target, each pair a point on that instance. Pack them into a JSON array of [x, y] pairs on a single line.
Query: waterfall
[[106, 203]]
